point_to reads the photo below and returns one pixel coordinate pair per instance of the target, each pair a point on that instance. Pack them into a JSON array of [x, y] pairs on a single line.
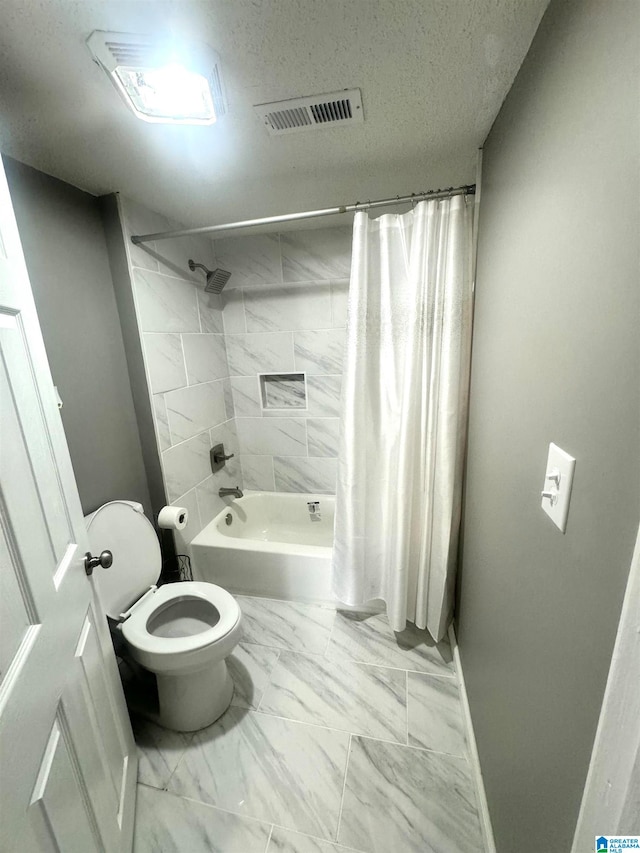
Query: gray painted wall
[[64, 246], [556, 358]]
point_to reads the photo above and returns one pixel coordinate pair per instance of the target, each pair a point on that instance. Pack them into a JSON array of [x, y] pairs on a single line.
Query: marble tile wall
[[185, 355], [284, 311]]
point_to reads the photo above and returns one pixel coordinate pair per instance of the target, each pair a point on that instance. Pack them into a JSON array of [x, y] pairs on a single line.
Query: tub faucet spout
[[236, 492]]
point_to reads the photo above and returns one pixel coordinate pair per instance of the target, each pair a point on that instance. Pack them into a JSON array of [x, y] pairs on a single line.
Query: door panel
[[18, 363], [55, 825], [66, 749], [99, 708], [15, 620]]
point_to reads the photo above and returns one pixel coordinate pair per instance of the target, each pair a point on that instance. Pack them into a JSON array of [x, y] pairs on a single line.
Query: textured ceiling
[[433, 74]]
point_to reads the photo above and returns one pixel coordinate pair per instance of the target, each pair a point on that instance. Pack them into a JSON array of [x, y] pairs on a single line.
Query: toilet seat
[[135, 627]]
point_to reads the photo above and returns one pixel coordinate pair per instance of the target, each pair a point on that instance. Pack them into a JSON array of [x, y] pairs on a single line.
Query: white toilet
[[182, 632]]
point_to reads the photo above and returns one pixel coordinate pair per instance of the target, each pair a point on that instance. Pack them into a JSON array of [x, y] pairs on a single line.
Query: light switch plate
[[558, 482]]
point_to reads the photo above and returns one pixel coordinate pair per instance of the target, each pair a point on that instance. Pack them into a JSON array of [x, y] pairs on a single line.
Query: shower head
[[216, 279]]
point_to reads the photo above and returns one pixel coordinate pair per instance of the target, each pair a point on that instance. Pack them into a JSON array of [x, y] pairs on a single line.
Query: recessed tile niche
[[283, 391]]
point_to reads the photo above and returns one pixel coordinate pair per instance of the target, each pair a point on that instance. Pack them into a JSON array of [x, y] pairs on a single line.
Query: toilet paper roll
[[173, 517]]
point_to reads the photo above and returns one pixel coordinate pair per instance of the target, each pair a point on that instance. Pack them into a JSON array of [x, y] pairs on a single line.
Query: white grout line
[[308, 725], [323, 841], [343, 660], [269, 839], [195, 384], [199, 314], [244, 311], [406, 679], [242, 815], [280, 264], [317, 725], [192, 281], [178, 763], [268, 684], [166, 420], [341, 731], [326, 648], [197, 435], [344, 786], [184, 332]]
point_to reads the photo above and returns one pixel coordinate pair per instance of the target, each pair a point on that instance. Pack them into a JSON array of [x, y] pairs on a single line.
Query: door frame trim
[[612, 785]]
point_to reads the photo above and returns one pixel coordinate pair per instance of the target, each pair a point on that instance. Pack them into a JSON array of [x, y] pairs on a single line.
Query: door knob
[[90, 563]]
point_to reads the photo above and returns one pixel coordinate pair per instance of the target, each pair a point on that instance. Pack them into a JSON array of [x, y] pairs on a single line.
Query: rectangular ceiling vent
[[337, 109]]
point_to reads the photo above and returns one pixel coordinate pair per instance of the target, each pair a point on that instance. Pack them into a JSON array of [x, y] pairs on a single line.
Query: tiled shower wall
[[181, 328], [284, 311]]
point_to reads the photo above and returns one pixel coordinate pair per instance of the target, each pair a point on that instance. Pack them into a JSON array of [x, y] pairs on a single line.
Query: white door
[[67, 757]]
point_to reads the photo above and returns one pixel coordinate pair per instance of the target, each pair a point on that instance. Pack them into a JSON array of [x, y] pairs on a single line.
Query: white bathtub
[[273, 546]]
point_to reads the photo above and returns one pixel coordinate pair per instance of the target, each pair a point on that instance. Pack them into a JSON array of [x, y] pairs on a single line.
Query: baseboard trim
[[474, 758]]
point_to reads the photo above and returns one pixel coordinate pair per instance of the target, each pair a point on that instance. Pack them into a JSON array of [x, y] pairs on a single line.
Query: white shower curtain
[[404, 412]]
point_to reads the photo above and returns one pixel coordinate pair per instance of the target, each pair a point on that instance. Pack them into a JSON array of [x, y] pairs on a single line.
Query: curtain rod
[[307, 214]]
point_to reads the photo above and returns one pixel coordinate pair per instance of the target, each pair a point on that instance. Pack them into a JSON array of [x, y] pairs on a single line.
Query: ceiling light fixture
[[159, 82]]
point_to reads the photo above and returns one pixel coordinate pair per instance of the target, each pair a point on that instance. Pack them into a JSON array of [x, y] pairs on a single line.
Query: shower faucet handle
[[218, 457]]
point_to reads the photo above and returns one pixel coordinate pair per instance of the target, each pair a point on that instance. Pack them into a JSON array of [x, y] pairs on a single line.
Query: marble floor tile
[[250, 667], [435, 714], [353, 697], [368, 638], [169, 824], [267, 768], [159, 751], [286, 624], [286, 841], [398, 798]]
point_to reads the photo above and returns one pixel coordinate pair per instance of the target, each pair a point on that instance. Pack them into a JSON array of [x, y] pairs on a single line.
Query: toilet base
[[193, 701]]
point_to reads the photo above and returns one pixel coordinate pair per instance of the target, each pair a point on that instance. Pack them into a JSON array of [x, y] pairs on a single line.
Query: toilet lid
[[122, 528]]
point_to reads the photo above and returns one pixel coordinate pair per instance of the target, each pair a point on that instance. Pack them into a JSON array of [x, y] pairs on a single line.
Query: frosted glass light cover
[[168, 94]]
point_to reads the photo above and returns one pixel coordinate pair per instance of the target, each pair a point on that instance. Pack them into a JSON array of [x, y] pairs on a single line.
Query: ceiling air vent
[[337, 109]]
